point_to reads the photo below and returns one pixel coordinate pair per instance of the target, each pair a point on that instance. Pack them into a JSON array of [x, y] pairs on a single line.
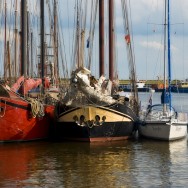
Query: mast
[[164, 97], [15, 43], [8, 61], [28, 64], [169, 56], [24, 37], [111, 40], [78, 36], [55, 40], [165, 24], [5, 42], [42, 58], [31, 53], [101, 37]]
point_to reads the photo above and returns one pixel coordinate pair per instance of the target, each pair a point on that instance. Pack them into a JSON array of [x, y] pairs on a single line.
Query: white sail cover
[[94, 90]]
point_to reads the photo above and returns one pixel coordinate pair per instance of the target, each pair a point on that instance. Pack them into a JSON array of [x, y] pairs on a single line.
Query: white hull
[[163, 130]]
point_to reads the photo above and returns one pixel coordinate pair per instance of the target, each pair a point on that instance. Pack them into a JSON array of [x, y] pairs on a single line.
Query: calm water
[[133, 163]]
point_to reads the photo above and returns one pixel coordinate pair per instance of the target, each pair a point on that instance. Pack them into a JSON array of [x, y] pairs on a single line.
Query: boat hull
[[163, 130], [17, 124], [110, 123], [179, 90], [144, 89]]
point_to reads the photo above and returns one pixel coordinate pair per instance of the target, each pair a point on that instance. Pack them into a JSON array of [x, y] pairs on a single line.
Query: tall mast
[[165, 24], [42, 58], [24, 37], [55, 39], [164, 96], [169, 56], [15, 43], [78, 36], [5, 42], [31, 53], [28, 63], [101, 37], [111, 40]]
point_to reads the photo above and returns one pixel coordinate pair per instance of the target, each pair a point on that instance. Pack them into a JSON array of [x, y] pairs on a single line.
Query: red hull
[[17, 124]]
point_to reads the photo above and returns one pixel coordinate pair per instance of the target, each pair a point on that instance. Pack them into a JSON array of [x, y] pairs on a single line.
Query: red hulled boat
[[22, 119]]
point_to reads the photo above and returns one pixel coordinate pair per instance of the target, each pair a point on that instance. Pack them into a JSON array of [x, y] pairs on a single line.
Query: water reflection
[[133, 163], [15, 162], [94, 165], [158, 163]]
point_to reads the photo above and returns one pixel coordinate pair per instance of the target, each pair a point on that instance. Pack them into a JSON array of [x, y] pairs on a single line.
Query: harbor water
[[133, 163]]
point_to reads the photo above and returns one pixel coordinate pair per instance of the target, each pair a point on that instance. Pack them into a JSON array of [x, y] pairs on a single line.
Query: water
[[132, 163]]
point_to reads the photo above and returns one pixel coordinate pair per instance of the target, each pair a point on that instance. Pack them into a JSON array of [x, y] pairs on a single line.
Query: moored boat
[[181, 87], [89, 111], [162, 121], [140, 86], [22, 119], [87, 114]]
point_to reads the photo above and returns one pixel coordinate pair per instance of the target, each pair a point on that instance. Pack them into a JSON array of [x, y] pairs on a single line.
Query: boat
[[181, 87], [162, 121], [89, 112], [140, 86], [23, 118]]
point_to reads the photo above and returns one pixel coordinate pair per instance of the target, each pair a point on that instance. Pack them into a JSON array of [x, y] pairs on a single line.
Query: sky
[[146, 18]]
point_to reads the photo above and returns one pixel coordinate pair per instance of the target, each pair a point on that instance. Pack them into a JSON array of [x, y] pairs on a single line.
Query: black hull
[[105, 132], [110, 130], [138, 89], [179, 90]]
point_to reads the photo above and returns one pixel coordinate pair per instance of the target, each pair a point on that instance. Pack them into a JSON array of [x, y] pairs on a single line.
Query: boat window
[[104, 118], [82, 118], [97, 118], [75, 118]]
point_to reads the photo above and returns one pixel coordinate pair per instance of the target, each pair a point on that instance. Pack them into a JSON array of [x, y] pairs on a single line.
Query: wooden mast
[[101, 37], [111, 40], [15, 43], [55, 41], [24, 38], [31, 53], [5, 42], [42, 58], [28, 63]]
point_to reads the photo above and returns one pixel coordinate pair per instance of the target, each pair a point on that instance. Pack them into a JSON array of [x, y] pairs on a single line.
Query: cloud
[[152, 44], [155, 45]]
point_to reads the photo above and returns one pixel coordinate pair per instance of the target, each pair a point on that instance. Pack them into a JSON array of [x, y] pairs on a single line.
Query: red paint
[[17, 124], [99, 139]]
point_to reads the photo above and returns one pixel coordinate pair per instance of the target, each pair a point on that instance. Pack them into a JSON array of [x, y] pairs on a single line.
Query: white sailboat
[[161, 121]]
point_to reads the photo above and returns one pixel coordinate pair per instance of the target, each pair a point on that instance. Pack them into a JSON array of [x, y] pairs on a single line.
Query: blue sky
[[147, 19], [148, 37]]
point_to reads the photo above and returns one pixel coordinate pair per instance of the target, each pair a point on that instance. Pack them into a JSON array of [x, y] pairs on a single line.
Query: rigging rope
[[91, 32], [37, 108]]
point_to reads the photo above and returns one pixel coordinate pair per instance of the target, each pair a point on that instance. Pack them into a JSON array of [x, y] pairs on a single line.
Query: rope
[[37, 108]]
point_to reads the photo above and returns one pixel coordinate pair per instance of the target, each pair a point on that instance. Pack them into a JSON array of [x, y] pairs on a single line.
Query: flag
[[128, 39]]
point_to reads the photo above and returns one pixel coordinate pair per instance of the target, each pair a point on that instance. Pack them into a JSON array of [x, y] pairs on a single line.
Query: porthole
[[75, 118], [82, 118], [104, 118], [97, 118]]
